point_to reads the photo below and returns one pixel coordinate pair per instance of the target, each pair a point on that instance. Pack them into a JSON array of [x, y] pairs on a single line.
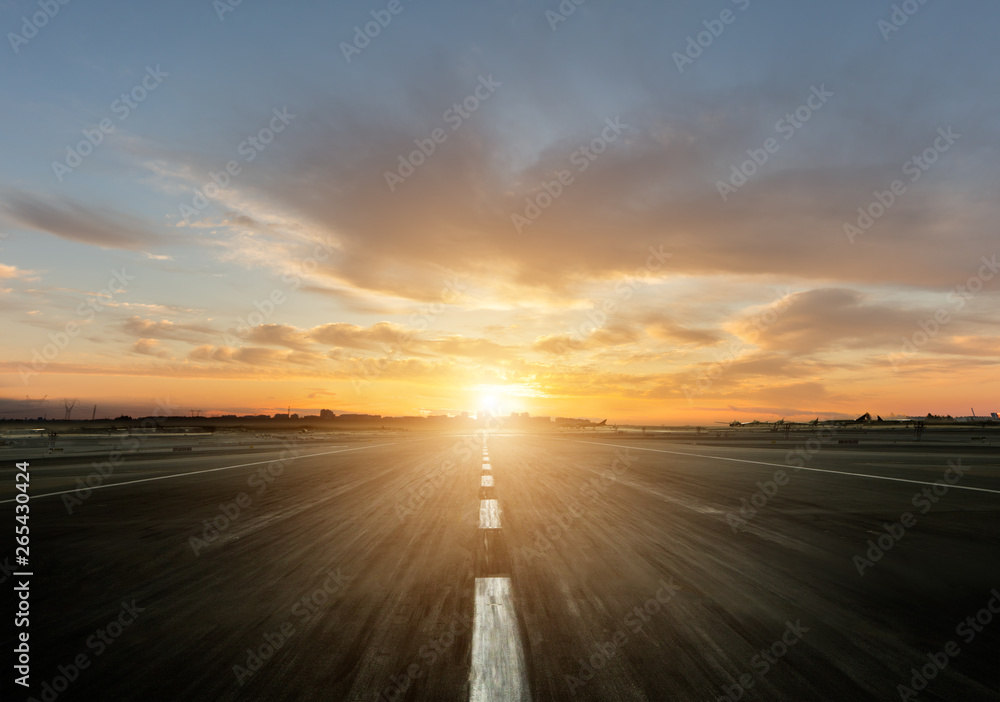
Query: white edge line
[[788, 467], [193, 472]]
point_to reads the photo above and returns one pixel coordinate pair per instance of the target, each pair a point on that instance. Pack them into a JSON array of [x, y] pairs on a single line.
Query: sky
[[651, 212]]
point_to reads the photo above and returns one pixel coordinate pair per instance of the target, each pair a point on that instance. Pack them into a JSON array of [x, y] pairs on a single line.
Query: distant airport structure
[[325, 419]]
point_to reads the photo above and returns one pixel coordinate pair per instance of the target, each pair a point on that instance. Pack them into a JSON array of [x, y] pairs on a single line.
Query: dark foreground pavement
[[351, 575]]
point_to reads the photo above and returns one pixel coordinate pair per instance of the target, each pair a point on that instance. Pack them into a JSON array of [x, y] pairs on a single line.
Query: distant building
[[326, 414]]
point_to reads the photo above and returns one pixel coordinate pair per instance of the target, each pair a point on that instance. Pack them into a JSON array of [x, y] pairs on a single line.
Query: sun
[[489, 402], [499, 399]]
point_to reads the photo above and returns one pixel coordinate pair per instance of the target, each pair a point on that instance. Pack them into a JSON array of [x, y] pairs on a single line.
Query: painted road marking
[[487, 481], [197, 472], [489, 514], [486, 466], [790, 467], [498, 669]]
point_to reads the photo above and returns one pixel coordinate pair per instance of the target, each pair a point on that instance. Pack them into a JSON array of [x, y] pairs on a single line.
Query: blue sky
[[776, 241]]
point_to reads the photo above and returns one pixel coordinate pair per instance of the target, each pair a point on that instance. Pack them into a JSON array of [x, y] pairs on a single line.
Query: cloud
[[613, 335], [207, 352], [253, 356], [149, 347], [483, 349], [280, 335], [602, 337], [669, 330], [165, 329], [72, 220], [354, 336], [319, 393], [827, 319], [773, 366], [558, 344], [15, 273], [654, 188]]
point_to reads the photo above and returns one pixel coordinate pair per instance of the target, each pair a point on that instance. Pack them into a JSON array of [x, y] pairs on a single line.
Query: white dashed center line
[[489, 514], [498, 668]]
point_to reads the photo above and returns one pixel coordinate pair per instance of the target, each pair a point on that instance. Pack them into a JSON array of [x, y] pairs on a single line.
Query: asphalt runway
[[589, 567]]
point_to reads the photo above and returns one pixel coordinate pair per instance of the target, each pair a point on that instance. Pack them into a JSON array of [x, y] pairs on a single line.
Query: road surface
[[588, 567]]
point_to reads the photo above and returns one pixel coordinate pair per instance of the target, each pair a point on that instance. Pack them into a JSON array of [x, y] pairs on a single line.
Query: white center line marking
[[197, 472], [489, 514], [791, 467], [498, 668], [487, 481]]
